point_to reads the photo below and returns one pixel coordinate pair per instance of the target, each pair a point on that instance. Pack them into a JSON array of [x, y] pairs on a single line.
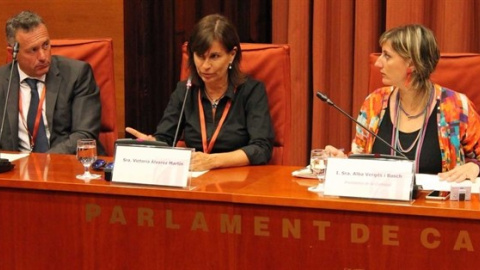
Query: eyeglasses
[[101, 165]]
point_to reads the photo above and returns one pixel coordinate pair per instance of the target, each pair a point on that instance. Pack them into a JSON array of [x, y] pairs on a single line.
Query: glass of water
[[318, 165], [87, 154]]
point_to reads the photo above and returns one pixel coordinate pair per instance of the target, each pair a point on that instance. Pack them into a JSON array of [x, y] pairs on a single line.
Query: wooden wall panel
[[78, 19]]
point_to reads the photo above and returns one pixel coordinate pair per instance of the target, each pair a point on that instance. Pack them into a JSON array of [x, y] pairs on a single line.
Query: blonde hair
[[417, 43]]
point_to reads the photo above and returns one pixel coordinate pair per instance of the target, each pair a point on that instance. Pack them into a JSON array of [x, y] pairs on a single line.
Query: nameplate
[[163, 166], [369, 178]]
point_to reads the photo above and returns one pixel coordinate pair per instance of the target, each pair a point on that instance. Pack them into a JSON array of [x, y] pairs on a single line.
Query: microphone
[[15, 51], [5, 164], [416, 188], [189, 85], [324, 98]]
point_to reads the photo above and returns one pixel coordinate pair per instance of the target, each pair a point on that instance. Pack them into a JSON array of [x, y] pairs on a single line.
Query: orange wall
[[78, 19]]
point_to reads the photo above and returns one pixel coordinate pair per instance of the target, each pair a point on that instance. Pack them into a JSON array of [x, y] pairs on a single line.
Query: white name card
[[164, 166], [369, 178]]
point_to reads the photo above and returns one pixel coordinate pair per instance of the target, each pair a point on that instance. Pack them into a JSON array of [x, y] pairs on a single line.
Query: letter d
[[359, 233]]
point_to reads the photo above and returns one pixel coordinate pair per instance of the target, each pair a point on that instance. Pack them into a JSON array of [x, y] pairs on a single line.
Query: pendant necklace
[[214, 101]]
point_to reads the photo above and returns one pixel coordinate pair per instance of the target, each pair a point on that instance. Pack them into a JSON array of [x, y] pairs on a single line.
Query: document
[[12, 157], [197, 173], [433, 182]]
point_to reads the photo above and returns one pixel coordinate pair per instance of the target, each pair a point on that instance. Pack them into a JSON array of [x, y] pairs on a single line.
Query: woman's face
[[392, 66], [212, 67]]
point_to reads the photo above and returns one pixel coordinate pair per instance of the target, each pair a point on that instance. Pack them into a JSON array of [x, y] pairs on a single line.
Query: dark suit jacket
[[73, 105]]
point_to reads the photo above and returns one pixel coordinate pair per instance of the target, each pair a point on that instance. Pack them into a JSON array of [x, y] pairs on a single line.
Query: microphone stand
[[188, 85], [5, 164], [416, 188]]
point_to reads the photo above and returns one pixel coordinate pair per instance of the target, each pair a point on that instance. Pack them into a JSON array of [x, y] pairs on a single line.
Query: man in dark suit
[[53, 101]]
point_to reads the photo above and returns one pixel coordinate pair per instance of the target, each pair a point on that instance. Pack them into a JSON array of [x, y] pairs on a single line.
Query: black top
[[247, 126], [430, 155]]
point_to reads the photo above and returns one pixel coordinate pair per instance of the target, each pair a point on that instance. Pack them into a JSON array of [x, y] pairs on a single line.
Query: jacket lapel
[[12, 105], [53, 80]]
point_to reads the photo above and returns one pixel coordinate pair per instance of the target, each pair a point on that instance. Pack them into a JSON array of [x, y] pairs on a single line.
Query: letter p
[[92, 211]]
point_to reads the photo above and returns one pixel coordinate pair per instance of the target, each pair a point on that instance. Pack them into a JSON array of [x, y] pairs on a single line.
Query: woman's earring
[[230, 66], [409, 77]]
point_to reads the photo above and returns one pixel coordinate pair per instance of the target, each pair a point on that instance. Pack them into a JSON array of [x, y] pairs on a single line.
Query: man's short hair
[[25, 20]]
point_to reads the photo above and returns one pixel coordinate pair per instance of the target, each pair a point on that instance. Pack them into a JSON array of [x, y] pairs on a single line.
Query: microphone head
[[15, 51], [324, 98], [189, 82]]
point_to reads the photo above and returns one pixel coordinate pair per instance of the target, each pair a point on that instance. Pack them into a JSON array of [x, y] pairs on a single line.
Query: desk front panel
[[257, 217], [42, 229]]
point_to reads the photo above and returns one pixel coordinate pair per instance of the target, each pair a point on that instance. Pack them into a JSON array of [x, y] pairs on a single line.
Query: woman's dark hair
[[212, 28]]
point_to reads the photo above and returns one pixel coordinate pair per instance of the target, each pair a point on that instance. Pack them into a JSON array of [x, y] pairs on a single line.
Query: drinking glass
[[318, 164], [87, 154]]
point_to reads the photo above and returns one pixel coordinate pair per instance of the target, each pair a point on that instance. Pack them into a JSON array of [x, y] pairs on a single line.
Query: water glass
[[318, 165], [87, 154]]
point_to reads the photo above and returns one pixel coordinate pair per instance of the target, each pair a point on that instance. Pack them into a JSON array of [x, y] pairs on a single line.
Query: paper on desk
[[432, 182], [197, 173], [12, 157]]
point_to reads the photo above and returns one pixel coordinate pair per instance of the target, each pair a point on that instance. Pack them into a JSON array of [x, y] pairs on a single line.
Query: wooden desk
[[241, 218]]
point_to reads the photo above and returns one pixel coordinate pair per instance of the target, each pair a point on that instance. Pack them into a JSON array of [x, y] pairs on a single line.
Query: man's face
[[34, 53]]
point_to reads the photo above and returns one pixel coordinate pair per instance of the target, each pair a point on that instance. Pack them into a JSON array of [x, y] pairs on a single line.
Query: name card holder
[[370, 178], [152, 164]]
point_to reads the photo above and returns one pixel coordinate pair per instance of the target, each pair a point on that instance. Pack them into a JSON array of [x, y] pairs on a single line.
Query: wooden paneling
[[257, 217], [78, 19]]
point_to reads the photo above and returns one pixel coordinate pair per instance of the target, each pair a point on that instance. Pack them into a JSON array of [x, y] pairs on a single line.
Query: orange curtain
[[330, 42]]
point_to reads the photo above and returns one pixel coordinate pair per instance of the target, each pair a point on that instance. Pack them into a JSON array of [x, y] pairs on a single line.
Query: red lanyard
[[38, 116], [208, 149]]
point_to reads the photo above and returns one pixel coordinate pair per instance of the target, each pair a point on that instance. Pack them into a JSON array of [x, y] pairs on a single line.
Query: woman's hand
[[202, 162], [334, 152], [140, 135], [468, 171]]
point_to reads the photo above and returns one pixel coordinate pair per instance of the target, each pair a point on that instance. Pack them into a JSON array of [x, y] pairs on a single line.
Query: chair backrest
[[269, 63], [456, 71], [99, 54]]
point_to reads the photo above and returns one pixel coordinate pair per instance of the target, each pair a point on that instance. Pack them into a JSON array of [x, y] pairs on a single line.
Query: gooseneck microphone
[[188, 85], [5, 164], [324, 98]]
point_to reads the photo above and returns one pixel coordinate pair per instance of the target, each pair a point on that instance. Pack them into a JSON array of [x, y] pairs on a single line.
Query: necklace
[[399, 143], [214, 101], [409, 116], [421, 133]]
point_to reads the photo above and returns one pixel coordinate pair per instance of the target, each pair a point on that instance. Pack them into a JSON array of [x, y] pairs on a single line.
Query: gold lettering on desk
[[169, 220], [390, 235], [145, 215], [260, 225], [428, 237], [118, 216], [359, 233], [463, 241], [199, 222], [425, 236], [92, 211], [230, 226], [291, 229], [322, 225]]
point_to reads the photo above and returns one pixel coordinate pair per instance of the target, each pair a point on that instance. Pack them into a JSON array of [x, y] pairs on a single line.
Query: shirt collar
[[24, 76]]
